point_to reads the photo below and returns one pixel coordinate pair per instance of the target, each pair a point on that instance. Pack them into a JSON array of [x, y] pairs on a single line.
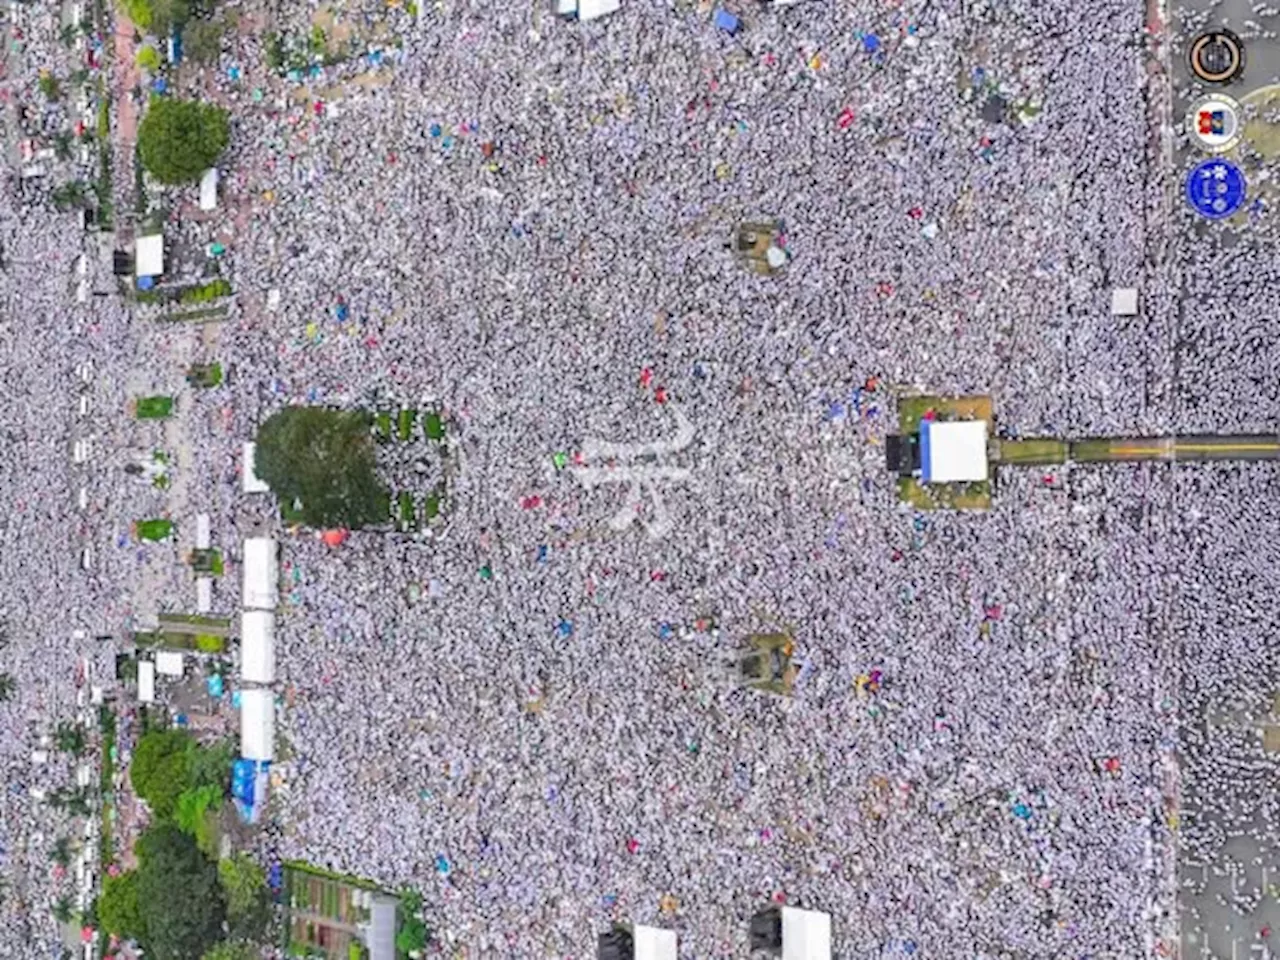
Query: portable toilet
[[791, 933]]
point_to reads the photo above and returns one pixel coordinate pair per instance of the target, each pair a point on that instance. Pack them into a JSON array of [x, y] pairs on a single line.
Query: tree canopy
[[157, 17], [180, 901], [324, 459], [244, 884], [160, 769], [230, 950], [118, 909], [179, 139]]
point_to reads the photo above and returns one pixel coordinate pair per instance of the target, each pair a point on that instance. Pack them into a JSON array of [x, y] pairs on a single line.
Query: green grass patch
[[153, 530], [1033, 452], [172, 640], [945, 496], [405, 513], [404, 424], [382, 426], [196, 619], [205, 376], [153, 408], [204, 315], [433, 426]]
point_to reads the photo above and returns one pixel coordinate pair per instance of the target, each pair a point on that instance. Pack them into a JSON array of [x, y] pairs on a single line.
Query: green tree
[[49, 86], [147, 58], [160, 769], [62, 145], [74, 802], [244, 884], [231, 950], [325, 459], [69, 195], [211, 766], [63, 910], [7, 686], [411, 937], [180, 901], [202, 40], [118, 909], [157, 17], [194, 812], [69, 738], [61, 852], [179, 139]]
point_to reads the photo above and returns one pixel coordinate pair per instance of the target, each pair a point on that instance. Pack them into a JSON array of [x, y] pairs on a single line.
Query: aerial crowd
[[1006, 726]]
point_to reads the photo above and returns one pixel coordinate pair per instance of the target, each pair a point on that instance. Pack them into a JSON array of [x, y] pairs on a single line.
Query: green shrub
[[147, 58], [404, 424], [434, 426], [208, 643], [153, 530], [154, 408]]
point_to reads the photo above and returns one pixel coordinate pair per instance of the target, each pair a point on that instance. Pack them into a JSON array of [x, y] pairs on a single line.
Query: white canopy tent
[[169, 663], [248, 476], [257, 724], [146, 681], [261, 574], [257, 646], [149, 255], [209, 189], [806, 934], [654, 943]]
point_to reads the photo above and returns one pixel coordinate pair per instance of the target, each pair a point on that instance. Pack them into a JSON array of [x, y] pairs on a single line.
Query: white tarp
[[587, 9], [149, 256], [204, 594], [806, 934], [202, 531], [955, 451], [146, 681], [257, 646], [169, 663], [251, 483], [209, 189], [654, 943], [261, 574], [257, 724]]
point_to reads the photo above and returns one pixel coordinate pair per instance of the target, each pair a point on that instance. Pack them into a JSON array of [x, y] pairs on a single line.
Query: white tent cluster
[[260, 595]]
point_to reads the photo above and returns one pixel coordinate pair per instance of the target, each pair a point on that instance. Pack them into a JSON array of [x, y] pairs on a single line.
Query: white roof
[[261, 574], [654, 943], [169, 663], [146, 681], [257, 646], [250, 482], [591, 9], [202, 531], [149, 255], [956, 451], [257, 724], [204, 594], [209, 189], [806, 934], [1124, 302]]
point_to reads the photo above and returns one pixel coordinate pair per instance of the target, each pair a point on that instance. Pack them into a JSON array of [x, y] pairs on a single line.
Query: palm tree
[[7, 685], [69, 738], [62, 145], [61, 852], [62, 910]]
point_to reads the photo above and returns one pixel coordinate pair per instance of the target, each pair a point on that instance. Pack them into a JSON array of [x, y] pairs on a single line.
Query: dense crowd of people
[[532, 715]]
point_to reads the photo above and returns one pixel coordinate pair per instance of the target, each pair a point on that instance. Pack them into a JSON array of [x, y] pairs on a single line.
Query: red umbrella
[[335, 538]]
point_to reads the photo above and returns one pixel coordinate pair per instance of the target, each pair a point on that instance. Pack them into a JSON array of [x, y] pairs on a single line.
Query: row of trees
[[177, 900]]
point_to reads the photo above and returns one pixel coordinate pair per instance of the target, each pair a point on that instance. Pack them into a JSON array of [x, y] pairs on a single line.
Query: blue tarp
[[924, 450], [727, 21]]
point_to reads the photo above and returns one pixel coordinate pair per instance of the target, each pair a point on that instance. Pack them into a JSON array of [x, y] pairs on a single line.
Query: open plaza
[[817, 459]]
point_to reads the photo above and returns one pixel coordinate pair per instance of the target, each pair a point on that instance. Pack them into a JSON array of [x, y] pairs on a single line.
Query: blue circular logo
[[1215, 189]]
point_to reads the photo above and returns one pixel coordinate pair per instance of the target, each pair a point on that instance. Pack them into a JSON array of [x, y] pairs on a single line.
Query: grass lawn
[[196, 619], [153, 530], [433, 426], [1032, 452], [945, 496], [153, 408], [201, 315], [382, 426], [404, 424], [432, 507], [911, 410], [291, 512], [404, 510]]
